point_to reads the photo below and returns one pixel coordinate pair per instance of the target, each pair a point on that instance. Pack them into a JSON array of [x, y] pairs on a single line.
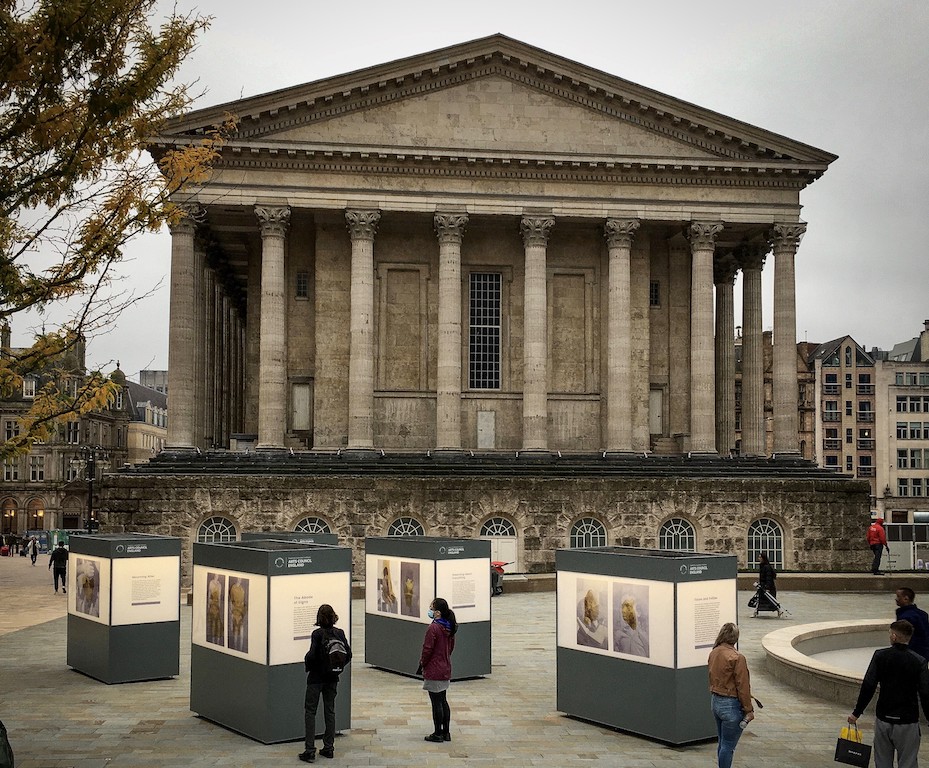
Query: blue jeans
[[728, 712]]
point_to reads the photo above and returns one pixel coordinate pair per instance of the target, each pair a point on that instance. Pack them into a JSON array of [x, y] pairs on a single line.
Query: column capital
[[703, 234], [273, 219], [186, 218], [725, 266], [535, 229], [362, 225], [788, 236], [619, 233], [450, 227], [752, 255]]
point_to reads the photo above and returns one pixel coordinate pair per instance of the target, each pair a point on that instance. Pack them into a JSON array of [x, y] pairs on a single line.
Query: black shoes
[[327, 752], [307, 757], [446, 736], [435, 738]]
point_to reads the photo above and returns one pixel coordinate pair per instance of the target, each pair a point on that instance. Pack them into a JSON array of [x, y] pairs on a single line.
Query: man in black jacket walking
[[58, 563], [904, 681]]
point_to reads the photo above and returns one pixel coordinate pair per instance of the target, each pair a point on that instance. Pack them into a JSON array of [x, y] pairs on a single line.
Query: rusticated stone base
[[823, 520]]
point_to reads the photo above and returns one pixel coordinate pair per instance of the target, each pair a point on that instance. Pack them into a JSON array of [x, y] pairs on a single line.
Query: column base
[[792, 454]]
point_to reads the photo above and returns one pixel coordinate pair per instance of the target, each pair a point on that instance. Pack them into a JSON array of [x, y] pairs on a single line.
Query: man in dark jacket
[[904, 681], [321, 680], [907, 611], [58, 563]]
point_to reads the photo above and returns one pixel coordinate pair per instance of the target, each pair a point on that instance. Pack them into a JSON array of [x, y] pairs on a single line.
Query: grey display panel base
[[263, 703], [124, 654], [395, 646], [597, 689]]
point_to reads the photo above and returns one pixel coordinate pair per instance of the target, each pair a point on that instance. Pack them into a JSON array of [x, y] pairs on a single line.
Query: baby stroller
[[763, 600]]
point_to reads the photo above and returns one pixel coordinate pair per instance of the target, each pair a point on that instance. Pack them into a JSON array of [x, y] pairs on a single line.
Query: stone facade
[[815, 515]]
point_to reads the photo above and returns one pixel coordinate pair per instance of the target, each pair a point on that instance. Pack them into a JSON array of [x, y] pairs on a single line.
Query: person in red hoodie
[[435, 665], [877, 540]]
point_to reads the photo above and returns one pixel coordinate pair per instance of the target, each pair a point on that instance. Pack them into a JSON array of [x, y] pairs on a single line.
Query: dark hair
[[904, 629], [908, 593], [764, 558], [441, 605], [326, 616]]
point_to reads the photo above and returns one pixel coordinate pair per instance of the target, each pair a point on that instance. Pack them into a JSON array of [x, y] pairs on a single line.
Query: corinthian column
[[751, 257], [786, 241], [724, 271], [362, 226], [535, 334], [619, 235], [702, 365], [450, 230], [272, 382], [181, 339]]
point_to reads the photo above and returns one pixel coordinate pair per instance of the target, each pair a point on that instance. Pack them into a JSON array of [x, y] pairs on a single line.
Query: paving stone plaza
[[58, 718]]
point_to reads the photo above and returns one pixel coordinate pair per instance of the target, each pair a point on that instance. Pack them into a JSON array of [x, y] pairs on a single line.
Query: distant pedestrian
[[32, 548], [322, 679], [907, 611], [58, 563], [435, 663], [730, 692], [877, 540], [904, 686]]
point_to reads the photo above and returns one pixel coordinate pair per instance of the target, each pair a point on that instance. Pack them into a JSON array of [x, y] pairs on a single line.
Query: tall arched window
[[216, 529], [8, 508], [677, 533], [312, 525], [35, 515], [405, 526], [766, 536], [498, 526], [588, 532]]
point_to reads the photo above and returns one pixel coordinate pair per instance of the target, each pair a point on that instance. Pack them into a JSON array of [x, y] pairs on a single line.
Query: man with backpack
[[329, 654]]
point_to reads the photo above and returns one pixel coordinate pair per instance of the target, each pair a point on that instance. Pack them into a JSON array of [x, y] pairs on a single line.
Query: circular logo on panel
[[120, 548], [279, 562], [683, 569], [441, 550]]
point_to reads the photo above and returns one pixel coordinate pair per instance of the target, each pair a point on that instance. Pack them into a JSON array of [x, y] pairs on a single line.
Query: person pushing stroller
[[765, 597]]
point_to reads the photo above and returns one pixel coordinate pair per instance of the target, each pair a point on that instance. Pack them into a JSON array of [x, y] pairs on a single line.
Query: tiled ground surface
[[58, 718]]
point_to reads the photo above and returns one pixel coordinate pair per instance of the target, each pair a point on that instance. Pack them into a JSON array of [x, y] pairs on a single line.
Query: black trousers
[[313, 691], [59, 573], [877, 549]]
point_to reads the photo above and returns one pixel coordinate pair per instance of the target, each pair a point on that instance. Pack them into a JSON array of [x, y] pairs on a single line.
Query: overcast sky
[[848, 76]]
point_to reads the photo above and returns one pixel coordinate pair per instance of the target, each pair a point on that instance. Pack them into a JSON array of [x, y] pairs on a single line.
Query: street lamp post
[[90, 454]]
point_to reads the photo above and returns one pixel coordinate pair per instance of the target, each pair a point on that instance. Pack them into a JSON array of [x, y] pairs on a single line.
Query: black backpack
[[335, 654], [6, 751]]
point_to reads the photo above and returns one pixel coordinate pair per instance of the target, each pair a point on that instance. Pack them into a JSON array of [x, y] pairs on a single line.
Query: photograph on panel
[[216, 608], [88, 587], [238, 613], [592, 626], [409, 576], [630, 618], [386, 588]]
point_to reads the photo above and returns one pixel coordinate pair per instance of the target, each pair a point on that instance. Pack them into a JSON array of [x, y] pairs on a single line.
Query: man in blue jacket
[[904, 681], [907, 611]]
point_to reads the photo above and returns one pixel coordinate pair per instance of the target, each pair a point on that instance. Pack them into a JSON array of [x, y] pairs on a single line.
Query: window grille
[[766, 536], [484, 334], [677, 533], [216, 529], [405, 526], [588, 532]]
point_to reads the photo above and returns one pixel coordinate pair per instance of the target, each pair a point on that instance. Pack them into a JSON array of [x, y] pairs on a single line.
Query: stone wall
[[823, 520]]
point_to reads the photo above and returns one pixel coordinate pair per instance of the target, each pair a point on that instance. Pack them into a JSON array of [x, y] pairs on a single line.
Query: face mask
[[430, 613]]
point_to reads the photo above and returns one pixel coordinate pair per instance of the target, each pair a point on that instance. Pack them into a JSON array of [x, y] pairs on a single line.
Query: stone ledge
[[788, 664]]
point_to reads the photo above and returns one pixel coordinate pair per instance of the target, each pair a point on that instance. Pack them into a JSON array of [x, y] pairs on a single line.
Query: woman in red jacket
[[435, 662]]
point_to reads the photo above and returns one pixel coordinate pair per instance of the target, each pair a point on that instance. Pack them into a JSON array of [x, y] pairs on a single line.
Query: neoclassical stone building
[[486, 248]]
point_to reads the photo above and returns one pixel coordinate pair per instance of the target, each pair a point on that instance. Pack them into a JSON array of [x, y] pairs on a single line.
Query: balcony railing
[[866, 445], [865, 415], [865, 471], [865, 389], [832, 416], [832, 444], [831, 389]]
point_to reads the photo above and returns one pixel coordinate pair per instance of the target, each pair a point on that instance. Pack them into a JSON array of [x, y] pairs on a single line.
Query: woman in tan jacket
[[730, 691]]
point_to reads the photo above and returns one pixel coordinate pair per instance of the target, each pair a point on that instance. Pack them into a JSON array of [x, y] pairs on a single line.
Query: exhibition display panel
[[124, 621], [254, 610], [635, 630], [330, 539], [403, 574]]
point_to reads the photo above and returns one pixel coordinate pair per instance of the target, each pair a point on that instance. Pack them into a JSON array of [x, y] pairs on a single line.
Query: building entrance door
[[655, 412]]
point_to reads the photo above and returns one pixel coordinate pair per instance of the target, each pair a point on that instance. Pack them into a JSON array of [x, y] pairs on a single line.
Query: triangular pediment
[[492, 113], [497, 96]]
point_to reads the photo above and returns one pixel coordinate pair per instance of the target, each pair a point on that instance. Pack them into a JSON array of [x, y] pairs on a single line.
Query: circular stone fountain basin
[[813, 657]]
